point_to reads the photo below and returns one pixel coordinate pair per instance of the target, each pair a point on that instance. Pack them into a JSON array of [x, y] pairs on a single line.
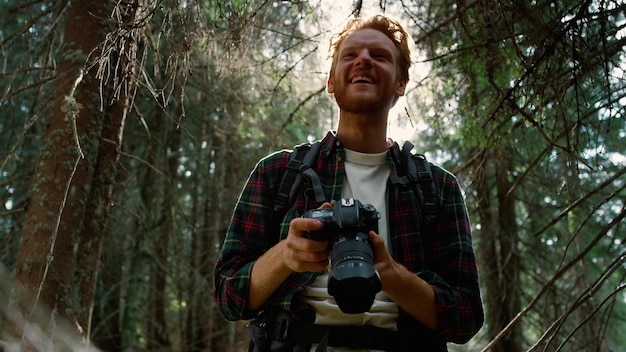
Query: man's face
[[366, 78]]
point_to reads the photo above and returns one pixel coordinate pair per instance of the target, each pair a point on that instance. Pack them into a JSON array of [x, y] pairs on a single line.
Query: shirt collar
[[331, 142]]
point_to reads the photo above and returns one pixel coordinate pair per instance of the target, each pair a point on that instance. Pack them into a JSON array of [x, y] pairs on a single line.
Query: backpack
[[299, 172]]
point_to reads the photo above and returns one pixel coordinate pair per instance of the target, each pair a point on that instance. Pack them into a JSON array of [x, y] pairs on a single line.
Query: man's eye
[[381, 56]]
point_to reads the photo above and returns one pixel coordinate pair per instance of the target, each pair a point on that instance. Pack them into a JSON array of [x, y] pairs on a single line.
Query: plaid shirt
[[445, 258]]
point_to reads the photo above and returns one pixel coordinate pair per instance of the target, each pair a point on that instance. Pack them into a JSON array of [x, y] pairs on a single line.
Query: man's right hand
[[296, 253], [302, 254]]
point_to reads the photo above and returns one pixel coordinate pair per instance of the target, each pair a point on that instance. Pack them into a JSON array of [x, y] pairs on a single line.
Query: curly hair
[[390, 27]]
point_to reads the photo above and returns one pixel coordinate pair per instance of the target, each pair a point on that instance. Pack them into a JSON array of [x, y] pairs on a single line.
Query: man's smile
[[361, 79]]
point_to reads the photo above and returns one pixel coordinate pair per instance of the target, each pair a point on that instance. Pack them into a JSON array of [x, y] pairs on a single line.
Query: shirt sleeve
[[454, 272], [248, 237]]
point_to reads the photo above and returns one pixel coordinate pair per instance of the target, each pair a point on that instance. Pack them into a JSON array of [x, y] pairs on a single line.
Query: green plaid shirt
[[445, 259]]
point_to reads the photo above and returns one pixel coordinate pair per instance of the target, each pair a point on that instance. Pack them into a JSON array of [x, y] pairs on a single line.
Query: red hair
[[389, 27]]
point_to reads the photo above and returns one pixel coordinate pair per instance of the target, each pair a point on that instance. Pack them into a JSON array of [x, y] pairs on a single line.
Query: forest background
[[129, 127]]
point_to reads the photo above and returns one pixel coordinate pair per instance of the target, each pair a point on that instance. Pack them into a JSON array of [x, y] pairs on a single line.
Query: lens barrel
[[353, 280]]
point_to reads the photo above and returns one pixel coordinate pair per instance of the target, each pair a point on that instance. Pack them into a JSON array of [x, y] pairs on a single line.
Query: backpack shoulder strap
[[419, 173], [424, 177], [300, 166]]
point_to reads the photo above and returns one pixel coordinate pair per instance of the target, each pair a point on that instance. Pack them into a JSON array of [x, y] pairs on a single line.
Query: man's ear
[[400, 91], [330, 84], [401, 88]]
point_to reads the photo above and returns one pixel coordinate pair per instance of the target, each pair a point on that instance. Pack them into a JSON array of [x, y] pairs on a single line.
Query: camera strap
[[416, 169]]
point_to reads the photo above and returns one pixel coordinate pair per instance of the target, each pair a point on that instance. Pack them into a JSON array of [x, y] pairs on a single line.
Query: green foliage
[[542, 81]]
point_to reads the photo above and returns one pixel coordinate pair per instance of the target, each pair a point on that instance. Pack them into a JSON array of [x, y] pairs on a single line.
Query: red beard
[[362, 103]]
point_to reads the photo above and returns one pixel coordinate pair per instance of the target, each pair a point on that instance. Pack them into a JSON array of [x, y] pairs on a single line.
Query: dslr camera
[[353, 280]]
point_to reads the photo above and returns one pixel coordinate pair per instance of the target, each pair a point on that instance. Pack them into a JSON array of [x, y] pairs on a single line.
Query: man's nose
[[364, 58]]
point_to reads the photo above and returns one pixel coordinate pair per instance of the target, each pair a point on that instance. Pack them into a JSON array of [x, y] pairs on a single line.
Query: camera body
[[353, 280]]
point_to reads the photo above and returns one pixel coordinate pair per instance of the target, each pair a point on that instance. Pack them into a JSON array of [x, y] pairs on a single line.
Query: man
[[429, 279]]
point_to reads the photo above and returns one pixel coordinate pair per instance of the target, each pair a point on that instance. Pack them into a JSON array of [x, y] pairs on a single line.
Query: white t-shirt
[[366, 180]]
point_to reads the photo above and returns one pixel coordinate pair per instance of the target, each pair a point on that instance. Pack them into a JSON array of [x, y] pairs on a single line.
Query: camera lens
[[353, 280]]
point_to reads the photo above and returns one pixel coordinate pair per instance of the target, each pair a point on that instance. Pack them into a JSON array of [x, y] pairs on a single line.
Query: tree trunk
[[198, 319], [57, 262], [164, 228], [498, 255], [62, 187]]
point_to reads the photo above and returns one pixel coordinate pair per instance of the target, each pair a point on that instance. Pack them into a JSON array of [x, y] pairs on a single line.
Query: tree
[[530, 104], [134, 59], [57, 261]]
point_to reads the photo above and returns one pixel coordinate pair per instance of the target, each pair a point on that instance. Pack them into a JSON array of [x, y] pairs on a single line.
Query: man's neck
[[365, 134]]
